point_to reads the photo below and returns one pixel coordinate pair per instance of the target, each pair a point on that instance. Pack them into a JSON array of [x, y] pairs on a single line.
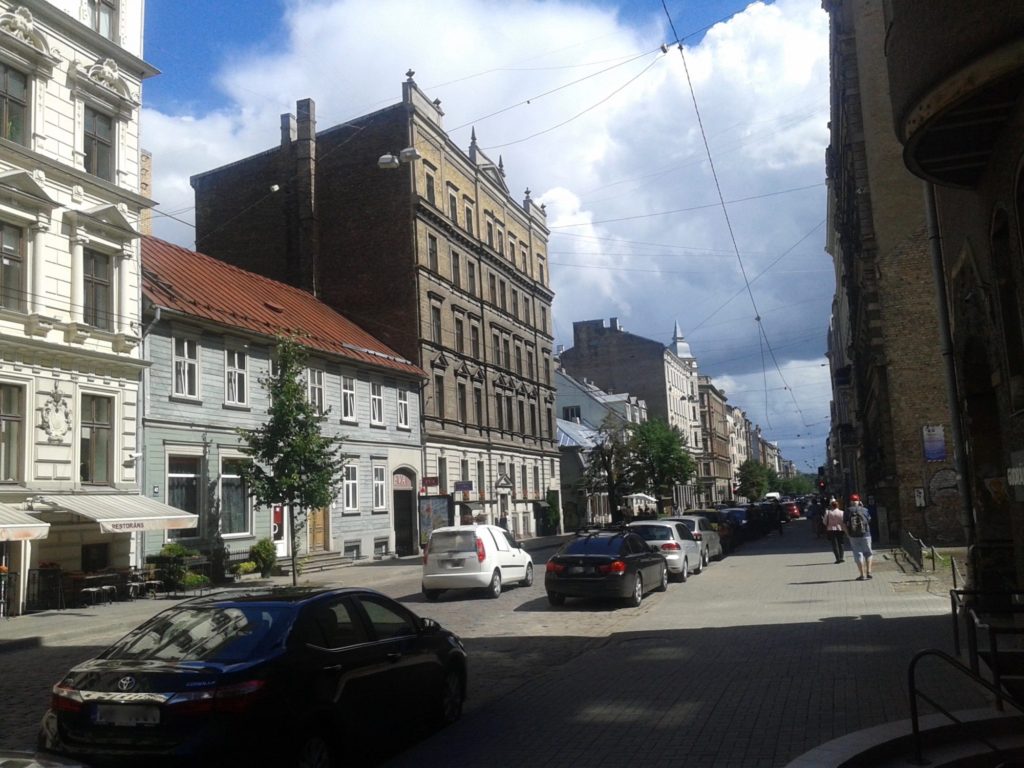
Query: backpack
[[858, 525]]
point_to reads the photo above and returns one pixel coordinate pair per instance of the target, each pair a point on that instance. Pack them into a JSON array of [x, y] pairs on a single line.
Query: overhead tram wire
[[728, 222]]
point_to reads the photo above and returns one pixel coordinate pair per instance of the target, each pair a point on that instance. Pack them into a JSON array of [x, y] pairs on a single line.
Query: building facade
[[70, 203], [664, 377], [428, 251], [890, 434], [211, 330], [715, 467]]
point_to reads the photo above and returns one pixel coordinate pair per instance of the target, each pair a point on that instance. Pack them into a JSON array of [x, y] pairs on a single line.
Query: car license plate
[[576, 569], [127, 714], [452, 563]]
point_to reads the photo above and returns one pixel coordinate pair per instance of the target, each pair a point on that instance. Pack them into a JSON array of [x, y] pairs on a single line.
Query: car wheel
[[432, 594], [700, 562], [314, 752], [494, 588], [638, 592], [528, 579], [449, 705], [685, 573], [705, 559], [664, 579], [556, 599]]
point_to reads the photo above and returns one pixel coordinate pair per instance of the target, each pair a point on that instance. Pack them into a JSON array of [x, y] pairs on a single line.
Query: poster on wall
[[435, 512], [934, 442]]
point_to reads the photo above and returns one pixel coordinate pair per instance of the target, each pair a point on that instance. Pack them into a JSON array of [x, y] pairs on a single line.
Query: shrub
[[192, 580], [264, 554], [174, 549], [244, 568]]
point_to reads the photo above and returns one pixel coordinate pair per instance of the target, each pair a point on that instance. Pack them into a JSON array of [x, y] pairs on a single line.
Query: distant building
[[715, 466]]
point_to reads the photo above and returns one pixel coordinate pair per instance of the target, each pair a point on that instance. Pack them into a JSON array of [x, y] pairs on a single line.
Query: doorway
[[405, 513], [318, 529]]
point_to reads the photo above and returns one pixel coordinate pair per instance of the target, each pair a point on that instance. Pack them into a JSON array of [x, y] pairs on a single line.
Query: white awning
[[124, 513], [16, 525]]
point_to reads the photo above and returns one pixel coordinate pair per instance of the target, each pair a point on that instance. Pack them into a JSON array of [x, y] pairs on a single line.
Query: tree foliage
[[293, 463], [659, 460], [798, 485], [755, 479], [607, 468]]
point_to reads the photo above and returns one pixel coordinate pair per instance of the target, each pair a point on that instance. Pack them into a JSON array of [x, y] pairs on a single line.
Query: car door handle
[[334, 668]]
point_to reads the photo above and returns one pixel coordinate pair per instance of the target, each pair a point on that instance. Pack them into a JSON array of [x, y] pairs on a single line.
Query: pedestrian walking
[[857, 522], [834, 529]]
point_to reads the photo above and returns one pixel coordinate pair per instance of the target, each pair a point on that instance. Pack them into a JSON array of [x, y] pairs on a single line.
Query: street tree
[[659, 459], [754, 479], [608, 462], [293, 463]]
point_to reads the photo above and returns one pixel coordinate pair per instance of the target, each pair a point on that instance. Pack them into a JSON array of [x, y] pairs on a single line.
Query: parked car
[[742, 529], [613, 562], [791, 510], [674, 541], [724, 526], [474, 557], [706, 536], [282, 677]]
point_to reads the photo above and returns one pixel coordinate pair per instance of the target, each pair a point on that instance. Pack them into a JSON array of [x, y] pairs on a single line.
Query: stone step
[[315, 562]]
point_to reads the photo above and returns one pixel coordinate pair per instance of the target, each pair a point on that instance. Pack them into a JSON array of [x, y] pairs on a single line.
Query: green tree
[[754, 479], [292, 462], [659, 459], [608, 463], [798, 485]]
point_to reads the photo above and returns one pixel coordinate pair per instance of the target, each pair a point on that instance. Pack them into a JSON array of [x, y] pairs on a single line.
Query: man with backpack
[[857, 522]]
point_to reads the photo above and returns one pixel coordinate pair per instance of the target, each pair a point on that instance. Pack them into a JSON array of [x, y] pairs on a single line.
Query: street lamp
[[390, 161]]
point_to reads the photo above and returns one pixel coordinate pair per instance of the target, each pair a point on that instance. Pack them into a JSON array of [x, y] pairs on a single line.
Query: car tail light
[[696, 535], [481, 555], [617, 567], [553, 567], [64, 699], [671, 545], [237, 697]]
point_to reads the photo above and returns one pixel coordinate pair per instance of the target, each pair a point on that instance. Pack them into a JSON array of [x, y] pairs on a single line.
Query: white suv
[[473, 557]]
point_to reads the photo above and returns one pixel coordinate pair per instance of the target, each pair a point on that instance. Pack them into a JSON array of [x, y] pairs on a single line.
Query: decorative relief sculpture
[[56, 416]]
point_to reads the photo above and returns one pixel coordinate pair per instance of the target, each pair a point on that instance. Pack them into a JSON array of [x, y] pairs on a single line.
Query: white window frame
[[376, 403], [348, 398], [379, 488], [233, 373], [316, 389], [185, 362], [350, 488], [403, 408], [190, 452], [220, 496]]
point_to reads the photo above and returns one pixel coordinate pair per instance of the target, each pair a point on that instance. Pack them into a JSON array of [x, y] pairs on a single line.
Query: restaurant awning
[[16, 525], [125, 513]]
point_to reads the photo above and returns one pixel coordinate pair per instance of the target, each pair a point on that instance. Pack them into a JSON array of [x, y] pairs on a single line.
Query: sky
[[681, 184]]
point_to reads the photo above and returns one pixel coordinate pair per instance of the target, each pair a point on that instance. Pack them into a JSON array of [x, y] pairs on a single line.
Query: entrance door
[[318, 529], [405, 523]]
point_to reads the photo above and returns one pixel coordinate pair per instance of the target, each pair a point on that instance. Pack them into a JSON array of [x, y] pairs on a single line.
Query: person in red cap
[[857, 522]]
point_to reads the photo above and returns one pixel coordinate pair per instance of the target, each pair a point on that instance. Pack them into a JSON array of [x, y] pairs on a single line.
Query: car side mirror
[[429, 626]]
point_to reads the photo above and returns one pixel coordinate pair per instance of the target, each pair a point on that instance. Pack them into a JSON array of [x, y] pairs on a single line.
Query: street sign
[[430, 482], [463, 485]]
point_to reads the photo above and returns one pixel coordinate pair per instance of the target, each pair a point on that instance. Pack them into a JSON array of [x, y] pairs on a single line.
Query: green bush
[[264, 554], [192, 580], [174, 549], [244, 568]]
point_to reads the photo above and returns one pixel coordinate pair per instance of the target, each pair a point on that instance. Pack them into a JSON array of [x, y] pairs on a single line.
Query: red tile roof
[[191, 283]]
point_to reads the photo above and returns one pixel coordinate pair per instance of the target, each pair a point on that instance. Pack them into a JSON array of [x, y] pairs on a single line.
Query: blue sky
[[586, 111]]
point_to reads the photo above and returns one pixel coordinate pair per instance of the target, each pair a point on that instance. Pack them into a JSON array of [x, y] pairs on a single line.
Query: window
[[490, 234], [550, 424], [544, 319], [547, 370], [480, 477], [460, 340], [464, 470], [13, 104], [378, 488], [453, 207], [12, 431], [236, 381], [403, 408], [474, 341], [501, 294], [103, 17], [529, 363], [439, 396], [353, 549], [522, 416], [523, 483], [469, 219], [234, 498], [186, 368], [430, 189], [478, 405], [12, 268], [496, 348], [96, 278], [435, 323], [499, 410], [515, 304], [348, 398], [99, 144], [509, 425], [350, 484], [492, 285], [540, 273], [376, 404], [456, 270], [522, 259], [519, 359], [315, 380], [506, 356], [432, 253], [571, 412], [442, 475], [471, 277], [533, 418], [460, 394], [536, 480], [183, 473]]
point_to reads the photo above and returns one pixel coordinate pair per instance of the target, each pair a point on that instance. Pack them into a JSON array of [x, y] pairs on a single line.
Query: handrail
[[915, 693]]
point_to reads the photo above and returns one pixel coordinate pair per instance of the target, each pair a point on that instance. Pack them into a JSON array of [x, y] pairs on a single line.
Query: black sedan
[[288, 677], [605, 563]]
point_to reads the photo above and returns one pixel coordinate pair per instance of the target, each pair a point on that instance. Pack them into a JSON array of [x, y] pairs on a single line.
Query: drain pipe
[[949, 369]]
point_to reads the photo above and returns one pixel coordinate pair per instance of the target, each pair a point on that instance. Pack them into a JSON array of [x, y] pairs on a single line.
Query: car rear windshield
[[654, 532], [453, 541], [691, 524], [593, 545], [218, 633]]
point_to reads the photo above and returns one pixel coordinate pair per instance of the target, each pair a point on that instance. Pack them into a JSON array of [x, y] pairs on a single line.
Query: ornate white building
[[71, 75]]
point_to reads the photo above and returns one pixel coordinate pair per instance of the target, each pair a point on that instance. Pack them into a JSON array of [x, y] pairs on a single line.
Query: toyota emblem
[[126, 683]]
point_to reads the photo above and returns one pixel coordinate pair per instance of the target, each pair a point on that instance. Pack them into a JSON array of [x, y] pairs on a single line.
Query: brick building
[[715, 465], [890, 421], [429, 252]]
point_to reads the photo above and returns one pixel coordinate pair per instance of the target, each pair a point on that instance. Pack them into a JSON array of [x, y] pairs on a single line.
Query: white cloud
[[630, 149]]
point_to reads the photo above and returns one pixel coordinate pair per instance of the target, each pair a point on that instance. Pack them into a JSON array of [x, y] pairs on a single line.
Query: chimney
[[614, 324], [288, 130], [307, 246]]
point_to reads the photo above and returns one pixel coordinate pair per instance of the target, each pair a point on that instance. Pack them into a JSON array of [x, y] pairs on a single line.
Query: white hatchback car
[[474, 557]]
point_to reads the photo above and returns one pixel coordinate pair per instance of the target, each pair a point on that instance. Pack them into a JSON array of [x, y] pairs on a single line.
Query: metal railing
[[914, 548], [915, 694]]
